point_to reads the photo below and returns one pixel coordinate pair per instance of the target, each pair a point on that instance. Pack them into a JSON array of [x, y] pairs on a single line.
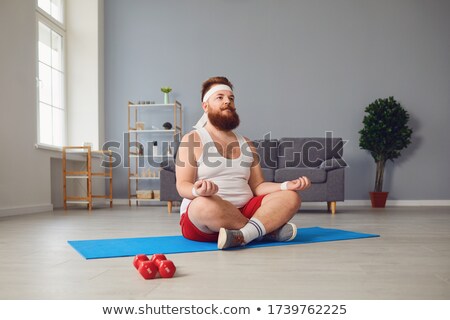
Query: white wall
[[25, 172], [85, 72]]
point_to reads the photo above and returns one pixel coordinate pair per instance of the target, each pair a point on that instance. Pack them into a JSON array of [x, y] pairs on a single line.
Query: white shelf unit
[[136, 135], [86, 154]]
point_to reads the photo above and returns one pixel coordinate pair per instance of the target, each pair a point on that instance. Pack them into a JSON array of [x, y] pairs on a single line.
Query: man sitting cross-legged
[[219, 176]]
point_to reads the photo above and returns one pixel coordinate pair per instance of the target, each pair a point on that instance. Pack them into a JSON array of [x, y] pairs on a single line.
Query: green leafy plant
[[385, 134], [166, 89]]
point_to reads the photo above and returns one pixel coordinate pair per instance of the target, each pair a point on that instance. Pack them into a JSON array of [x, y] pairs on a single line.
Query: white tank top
[[230, 175]]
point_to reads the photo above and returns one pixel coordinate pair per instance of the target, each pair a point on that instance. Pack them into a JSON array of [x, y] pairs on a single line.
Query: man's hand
[[299, 184], [205, 188]]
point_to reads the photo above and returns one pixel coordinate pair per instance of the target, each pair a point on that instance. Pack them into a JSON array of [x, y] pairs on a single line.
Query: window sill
[[58, 150], [47, 147]]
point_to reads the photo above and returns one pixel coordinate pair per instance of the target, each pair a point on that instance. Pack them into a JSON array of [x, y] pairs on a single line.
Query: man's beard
[[226, 122]]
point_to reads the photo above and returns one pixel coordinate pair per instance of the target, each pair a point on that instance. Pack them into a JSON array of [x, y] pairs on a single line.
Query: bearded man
[[219, 176]]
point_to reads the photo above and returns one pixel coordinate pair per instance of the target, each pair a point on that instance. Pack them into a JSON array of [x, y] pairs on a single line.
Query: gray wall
[[300, 68]]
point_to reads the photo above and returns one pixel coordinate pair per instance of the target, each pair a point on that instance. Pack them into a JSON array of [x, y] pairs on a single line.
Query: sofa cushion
[[268, 153], [316, 175], [308, 152], [333, 164]]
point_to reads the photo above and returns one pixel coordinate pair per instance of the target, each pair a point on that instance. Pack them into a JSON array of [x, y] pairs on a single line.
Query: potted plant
[[166, 91], [384, 135]]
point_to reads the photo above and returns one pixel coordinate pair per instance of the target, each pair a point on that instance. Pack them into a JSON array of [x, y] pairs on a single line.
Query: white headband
[[214, 89], [204, 119]]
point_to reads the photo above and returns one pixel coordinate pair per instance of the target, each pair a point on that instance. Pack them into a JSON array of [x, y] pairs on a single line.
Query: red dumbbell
[[157, 258], [149, 268], [166, 267], [139, 259], [145, 267]]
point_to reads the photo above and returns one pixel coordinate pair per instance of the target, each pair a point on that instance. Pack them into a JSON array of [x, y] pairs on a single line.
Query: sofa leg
[[169, 207], [331, 206]]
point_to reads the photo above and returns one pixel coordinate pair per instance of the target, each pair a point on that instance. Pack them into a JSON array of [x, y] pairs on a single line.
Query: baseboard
[[418, 203], [125, 202], [15, 211], [389, 203]]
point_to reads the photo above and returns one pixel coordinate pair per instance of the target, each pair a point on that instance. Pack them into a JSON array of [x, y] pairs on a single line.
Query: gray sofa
[[320, 159]]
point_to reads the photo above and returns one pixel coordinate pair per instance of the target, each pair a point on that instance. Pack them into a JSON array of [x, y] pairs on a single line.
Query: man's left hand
[[299, 184]]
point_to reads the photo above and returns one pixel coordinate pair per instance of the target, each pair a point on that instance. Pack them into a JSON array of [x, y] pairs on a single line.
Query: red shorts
[[191, 232]]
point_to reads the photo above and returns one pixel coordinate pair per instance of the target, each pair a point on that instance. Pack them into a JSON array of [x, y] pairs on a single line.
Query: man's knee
[[206, 205], [293, 199], [200, 204], [214, 212]]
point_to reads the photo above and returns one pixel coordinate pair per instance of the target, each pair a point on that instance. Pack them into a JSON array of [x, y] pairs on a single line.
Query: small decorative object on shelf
[[144, 194], [166, 91], [167, 125], [155, 148], [139, 126]]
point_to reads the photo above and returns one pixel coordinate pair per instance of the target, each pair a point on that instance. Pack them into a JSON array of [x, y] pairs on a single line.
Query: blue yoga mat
[[125, 247]]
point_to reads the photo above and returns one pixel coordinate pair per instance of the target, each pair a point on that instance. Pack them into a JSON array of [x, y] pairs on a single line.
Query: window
[[50, 73]]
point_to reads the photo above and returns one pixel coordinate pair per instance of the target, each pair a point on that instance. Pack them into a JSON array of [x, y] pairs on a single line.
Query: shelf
[[154, 105], [145, 119], [80, 153], [150, 156], [152, 131], [77, 177], [85, 177], [85, 174], [85, 201]]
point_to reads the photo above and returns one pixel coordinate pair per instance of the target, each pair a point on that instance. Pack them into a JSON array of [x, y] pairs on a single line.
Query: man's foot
[[285, 233], [230, 239]]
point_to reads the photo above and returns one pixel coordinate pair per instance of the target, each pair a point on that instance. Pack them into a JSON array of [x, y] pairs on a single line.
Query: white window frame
[[58, 27]]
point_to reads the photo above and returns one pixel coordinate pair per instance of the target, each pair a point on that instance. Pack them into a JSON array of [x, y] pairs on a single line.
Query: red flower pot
[[378, 199]]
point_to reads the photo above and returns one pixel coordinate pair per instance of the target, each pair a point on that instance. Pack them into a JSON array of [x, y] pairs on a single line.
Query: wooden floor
[[411, 259]]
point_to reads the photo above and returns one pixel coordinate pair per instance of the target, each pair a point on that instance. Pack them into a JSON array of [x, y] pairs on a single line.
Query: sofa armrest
[[336, 185], [168, 187], [168, 165]]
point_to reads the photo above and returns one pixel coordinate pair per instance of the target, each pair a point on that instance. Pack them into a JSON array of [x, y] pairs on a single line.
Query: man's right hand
[[205, 188]]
